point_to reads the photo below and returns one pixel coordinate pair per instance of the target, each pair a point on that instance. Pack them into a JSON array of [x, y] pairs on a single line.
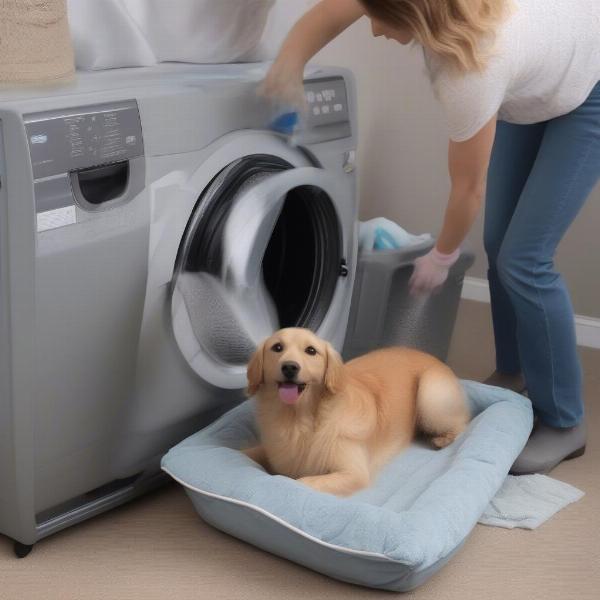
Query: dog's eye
[[277, 348], [310, 350]]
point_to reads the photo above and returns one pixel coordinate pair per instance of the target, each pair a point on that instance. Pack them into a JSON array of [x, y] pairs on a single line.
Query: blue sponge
[[285, 123]]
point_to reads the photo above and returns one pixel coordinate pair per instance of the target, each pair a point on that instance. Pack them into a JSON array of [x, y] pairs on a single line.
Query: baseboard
[[588, 328], [476, 289]]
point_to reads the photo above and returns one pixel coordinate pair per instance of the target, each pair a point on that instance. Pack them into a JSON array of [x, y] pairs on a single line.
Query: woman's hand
[[324, 22], [284, 85], [431, 271]]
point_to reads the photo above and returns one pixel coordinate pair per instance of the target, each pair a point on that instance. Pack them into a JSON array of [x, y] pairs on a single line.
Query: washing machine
[[152, 231]]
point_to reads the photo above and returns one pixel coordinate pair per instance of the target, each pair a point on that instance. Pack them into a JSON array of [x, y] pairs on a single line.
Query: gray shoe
[[516, 383], [549, 446]]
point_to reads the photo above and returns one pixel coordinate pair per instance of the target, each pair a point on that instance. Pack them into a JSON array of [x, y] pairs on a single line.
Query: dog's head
[[292, 361]]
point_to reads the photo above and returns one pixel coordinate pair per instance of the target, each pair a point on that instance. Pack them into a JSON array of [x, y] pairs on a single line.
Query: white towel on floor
[[527, 501]]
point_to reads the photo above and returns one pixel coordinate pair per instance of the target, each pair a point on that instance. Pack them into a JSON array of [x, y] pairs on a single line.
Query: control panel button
[[349, 161], [38, 139]]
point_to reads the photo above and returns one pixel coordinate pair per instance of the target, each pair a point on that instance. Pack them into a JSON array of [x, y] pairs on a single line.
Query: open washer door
[[262, 250]]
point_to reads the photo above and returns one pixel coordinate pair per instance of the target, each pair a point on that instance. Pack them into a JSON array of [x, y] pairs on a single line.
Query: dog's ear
[[335, 374], [255, 370]]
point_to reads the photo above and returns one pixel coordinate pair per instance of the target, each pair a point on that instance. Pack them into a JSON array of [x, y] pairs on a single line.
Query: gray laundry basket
[[384, 314]]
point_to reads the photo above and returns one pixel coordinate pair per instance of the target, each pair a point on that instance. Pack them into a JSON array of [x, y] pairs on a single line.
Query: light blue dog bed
[[393, 535]]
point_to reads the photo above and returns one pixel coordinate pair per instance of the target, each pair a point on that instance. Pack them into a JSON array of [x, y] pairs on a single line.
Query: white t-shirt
[[545, 63]]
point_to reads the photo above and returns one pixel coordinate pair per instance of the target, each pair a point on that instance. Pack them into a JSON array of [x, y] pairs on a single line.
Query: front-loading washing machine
[[152, 231]]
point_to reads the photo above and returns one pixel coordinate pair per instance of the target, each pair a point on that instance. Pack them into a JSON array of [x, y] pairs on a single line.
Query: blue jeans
[[539, 178]]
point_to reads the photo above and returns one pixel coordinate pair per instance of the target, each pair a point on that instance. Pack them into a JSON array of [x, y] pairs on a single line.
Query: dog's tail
[[442, 409]]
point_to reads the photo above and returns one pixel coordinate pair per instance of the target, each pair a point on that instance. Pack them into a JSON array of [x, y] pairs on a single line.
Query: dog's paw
[[258, 455], [312, 482], [338, 484], [441, 441]]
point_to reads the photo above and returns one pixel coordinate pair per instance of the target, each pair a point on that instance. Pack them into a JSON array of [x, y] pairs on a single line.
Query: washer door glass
[[262, 250]]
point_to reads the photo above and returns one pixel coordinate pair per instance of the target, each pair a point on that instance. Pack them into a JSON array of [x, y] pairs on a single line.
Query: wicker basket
[[35, 42]]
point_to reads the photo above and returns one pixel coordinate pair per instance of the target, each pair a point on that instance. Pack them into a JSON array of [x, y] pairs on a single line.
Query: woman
[[519, 85]]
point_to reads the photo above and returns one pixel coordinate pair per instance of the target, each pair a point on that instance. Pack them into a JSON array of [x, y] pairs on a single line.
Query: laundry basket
[[383, 312], [35, 43]]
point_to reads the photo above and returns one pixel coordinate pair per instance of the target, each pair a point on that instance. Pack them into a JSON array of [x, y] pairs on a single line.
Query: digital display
[[327, 101]]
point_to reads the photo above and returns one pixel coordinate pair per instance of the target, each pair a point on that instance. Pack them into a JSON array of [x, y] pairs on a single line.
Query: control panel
[[74, 139], [327, 101], [328, 115]]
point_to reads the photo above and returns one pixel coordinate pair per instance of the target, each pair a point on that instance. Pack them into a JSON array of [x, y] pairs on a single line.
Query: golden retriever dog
[[332, 425]]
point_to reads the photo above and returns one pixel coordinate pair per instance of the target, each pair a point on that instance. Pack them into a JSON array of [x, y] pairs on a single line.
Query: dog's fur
[[351, 418]]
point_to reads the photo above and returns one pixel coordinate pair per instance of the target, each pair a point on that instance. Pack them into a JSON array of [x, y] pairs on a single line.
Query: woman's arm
[[468, 164], [313, 31], [317, 28]]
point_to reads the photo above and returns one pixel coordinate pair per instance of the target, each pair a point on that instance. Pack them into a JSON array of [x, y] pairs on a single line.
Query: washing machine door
[[263, 250]]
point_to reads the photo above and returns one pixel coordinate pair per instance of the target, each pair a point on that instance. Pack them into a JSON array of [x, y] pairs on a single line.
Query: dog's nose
[[290, 369]]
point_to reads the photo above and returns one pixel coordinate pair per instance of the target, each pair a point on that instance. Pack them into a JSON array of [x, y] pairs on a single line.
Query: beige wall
[[402, 157]]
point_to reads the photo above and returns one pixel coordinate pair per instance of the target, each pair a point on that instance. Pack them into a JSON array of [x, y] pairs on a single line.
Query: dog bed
[[393, 535]]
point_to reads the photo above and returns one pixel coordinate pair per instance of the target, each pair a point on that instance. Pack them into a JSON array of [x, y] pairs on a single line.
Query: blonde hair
[[454, 30]]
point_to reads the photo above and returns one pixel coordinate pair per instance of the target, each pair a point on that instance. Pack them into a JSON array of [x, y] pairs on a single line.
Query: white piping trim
[[280, 521], [587, 328]]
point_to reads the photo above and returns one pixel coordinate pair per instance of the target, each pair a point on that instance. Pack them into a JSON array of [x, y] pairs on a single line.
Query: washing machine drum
[[262, 250]]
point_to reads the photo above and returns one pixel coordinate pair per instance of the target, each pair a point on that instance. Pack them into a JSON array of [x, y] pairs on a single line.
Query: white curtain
[[121, 33], [281, 19]]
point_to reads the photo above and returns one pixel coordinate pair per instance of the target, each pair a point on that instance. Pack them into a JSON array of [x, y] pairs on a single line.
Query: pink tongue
[[288, 393]]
